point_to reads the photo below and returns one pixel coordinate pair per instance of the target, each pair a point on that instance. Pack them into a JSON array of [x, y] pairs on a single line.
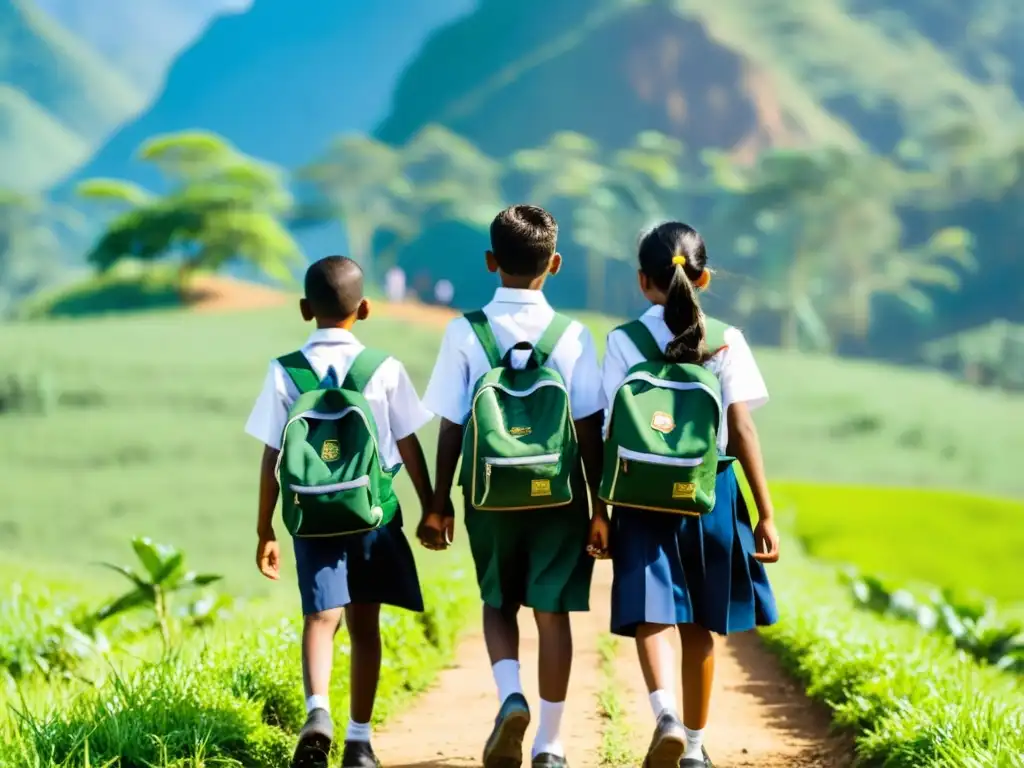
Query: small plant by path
[[616, 733]]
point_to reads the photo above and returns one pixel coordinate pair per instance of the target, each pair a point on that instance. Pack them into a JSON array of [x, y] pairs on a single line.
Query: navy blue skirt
[[678, 569], [372, 567]]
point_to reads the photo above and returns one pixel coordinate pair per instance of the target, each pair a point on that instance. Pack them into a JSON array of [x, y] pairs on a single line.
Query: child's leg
[[658, 665], [554, 667], [501, 634], [363, 621], [698, 676], [318, 656]]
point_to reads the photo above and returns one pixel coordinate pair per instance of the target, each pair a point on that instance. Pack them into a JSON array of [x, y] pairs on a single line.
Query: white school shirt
[[390, 393], [734, 366], [515, 316]]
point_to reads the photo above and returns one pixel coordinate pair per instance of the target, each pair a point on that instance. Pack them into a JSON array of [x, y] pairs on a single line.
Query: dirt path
[[759, 717]]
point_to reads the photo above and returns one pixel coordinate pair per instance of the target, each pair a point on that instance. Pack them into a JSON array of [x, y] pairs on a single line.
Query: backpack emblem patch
[[540, 487], [662, 422], [520, 431], [684, 491], [330, 450]]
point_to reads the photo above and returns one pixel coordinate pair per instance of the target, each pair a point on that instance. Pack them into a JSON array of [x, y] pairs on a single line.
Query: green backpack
[[329, 468], [519, 447], [661, 450]]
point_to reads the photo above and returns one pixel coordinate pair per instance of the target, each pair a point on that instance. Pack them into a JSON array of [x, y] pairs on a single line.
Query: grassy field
[[144, 436]]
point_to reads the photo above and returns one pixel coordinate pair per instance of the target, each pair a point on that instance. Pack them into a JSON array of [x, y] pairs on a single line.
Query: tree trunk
[[595, 281]]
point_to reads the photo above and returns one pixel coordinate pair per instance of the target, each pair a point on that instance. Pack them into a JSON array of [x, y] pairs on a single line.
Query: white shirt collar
[[520, 296], [332, 336], [655, 312]]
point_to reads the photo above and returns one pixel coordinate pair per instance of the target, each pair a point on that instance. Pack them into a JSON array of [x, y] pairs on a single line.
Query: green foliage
[[236, 699], [973, 627], [901, 533], [224, 206], [163, 576], [911, 698]]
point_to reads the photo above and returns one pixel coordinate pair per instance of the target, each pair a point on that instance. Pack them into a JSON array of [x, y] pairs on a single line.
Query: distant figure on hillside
[[444, 292], [339, 505], [394, 285]]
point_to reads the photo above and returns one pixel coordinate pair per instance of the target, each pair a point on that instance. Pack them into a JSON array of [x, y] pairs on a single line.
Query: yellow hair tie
[[679, 260]]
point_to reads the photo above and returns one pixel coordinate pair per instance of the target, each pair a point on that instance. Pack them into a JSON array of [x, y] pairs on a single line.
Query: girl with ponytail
[[695, 575]]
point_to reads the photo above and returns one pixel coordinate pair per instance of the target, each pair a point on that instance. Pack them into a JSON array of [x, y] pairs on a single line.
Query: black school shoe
[[547, 760], [359, 754], [668, 743], [704, 763], [314, 741], [504, 748]]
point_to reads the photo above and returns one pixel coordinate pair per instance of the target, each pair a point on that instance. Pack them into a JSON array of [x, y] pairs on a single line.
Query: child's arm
[[415, 464], [268, 551], [746, 447], [588, 434], [438, 528]]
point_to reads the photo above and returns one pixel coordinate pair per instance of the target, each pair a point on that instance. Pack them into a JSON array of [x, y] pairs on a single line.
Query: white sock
[[548, 740], [357, 731], [662, 700], [506, 676], [318, 702], [694, 742]]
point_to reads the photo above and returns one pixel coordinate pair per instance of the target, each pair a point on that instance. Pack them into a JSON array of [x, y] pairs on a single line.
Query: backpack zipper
[[652, 458]]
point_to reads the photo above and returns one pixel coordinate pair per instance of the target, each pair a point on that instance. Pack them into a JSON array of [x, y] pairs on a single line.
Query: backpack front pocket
[[521, 482], [660, 483], [333, 509]]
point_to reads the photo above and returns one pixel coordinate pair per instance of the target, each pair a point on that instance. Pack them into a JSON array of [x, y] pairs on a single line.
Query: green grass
[[616, 735], [911, 698], [146, 438], [962, 542]]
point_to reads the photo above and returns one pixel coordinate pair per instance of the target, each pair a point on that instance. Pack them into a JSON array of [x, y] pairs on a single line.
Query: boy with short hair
[[353, 573], [536, 557]]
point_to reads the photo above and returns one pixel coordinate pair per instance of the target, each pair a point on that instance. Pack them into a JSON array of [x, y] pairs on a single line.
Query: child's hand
[[766, 541], [268, 557], [436, 532], [597, 542]]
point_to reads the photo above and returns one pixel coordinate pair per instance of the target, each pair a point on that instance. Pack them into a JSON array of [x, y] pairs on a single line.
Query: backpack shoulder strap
[[640, 335], [297, 366], [482, 328], [362, 369], [714, 335], [552, 335]]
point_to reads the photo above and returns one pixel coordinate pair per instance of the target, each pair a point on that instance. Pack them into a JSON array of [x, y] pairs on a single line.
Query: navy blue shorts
[[677, 569], [373, 567]]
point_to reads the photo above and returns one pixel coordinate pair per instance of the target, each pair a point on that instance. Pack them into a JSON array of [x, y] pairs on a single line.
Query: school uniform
[[536, 558], [679, 569], [372, 567]]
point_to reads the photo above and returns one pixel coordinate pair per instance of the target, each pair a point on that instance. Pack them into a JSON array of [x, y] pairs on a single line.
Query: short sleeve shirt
[[515, 316], [390, 393], [734, 366]]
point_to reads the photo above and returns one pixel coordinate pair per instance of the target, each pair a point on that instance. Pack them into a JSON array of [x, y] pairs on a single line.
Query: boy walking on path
[[355, 573], [532, 557]]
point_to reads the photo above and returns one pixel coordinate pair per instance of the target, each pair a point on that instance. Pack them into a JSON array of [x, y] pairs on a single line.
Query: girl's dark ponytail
[[684, 318], [673, 257]]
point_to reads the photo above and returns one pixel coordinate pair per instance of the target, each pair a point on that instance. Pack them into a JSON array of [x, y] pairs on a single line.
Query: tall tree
[[222, 206], [361, 183]]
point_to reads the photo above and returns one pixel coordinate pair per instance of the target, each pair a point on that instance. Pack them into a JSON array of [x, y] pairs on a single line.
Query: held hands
[[766, 541], [436, 530], [268, 556], [599, 536]]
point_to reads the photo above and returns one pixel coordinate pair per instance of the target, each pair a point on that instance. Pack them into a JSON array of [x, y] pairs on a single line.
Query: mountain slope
[[139, 37], [68, 80], [280, 84], [35, 149]]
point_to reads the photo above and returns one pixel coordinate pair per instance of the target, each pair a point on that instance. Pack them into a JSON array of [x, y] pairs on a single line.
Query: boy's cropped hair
[[523, 239], [334, 287]]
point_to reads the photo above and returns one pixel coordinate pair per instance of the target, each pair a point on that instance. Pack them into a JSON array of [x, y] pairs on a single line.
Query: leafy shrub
[[913, 699], [973, 627]]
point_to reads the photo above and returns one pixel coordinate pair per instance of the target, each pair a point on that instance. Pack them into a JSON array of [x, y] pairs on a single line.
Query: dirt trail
[[759, 717]]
